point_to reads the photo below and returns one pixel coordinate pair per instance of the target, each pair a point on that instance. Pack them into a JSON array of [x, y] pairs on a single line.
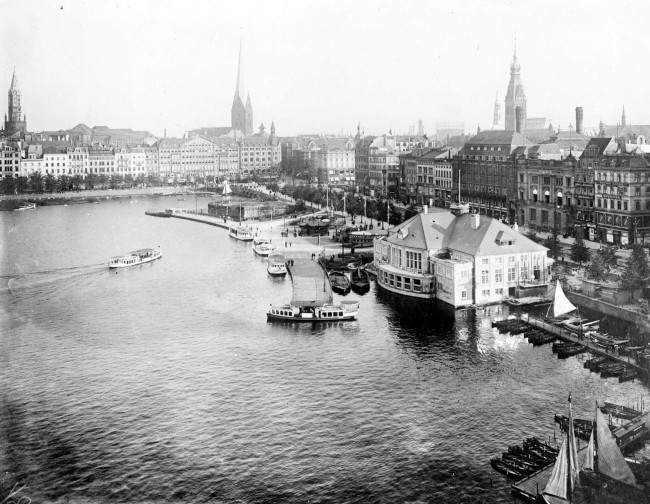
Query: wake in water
[[41, 280]]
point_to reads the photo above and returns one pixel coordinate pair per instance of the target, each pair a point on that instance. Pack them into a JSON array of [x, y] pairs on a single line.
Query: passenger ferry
[[241, 233], [262, 246], [276, 265], [134, 258], [312, 297], [346, 310]]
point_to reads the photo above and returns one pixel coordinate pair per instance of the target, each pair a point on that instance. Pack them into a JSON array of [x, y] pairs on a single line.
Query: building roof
[[598, 146], [491, 237], [440, 229], [336, 143], [498, 137], [212, 131]]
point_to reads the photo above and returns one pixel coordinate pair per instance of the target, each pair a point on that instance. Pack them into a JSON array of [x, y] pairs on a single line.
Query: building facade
[[460, 259]]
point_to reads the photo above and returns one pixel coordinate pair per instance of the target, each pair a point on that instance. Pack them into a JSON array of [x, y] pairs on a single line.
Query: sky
[[322, 66]]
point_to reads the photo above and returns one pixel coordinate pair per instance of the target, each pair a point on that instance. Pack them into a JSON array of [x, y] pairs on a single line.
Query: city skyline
[[112, 54]]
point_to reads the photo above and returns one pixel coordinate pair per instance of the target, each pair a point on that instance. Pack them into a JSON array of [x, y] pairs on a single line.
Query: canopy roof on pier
[[311, 285]]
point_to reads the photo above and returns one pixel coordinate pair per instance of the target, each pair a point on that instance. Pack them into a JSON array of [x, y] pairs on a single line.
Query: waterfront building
[[15, 120], [199, 157], [55, 160], [31, 160], [259, 154], [170, 157], [488, 172], [151, 166], [9, 158], [459, 258], [78, 160], [101, 161]]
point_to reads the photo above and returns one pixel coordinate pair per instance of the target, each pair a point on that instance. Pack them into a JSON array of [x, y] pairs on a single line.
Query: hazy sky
[[321, 66]]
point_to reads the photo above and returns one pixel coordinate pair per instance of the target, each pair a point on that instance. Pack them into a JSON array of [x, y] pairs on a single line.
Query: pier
[[567, 335]]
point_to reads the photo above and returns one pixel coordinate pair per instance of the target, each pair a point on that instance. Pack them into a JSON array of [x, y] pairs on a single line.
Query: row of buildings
[[228, 151]]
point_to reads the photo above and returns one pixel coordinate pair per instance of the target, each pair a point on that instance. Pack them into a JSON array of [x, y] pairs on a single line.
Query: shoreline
[[9, 202]]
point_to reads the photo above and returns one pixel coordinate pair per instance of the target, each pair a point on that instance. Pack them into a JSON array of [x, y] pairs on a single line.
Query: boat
[[134, 258], [25, 206], [340, 283], [527, 301], [262, 246], [359, 281], [240, 233], [226, 191], [276, 265], [312, 297]]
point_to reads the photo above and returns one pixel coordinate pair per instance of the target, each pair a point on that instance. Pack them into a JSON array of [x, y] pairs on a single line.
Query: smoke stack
[[579, 120], [519, 119]]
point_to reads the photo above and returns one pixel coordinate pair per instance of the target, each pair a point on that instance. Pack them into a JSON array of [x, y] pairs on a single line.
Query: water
[[165, 383]]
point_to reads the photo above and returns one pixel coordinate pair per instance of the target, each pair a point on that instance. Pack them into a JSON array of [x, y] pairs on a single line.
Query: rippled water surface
[[165, 382]]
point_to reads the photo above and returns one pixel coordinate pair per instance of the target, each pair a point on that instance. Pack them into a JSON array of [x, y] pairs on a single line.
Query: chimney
[[519, 119], [476, 219], [579, 120]]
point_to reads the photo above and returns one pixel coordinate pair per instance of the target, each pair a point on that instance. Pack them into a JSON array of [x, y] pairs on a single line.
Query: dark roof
[[601, 143], [498, 137]]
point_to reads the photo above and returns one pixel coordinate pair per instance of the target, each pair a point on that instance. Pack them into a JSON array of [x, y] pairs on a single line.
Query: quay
[[566, 335]]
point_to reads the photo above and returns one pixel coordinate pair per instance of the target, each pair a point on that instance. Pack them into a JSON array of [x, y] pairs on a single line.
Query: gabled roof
[[490, 238], [440, 229], [598, 146]]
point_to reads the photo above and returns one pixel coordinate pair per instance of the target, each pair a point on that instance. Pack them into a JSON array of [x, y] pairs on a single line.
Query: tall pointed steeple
[[14, 119], [238, 113], [623, 121], [515, 96], [496, 117]]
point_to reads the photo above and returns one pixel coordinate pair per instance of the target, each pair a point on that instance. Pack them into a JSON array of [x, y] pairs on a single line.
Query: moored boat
[[262, 246], [240, 233], [527, 301], [312, 297], [276, 265], [340, 283], [359, 281], [25, 206], [134, 258]]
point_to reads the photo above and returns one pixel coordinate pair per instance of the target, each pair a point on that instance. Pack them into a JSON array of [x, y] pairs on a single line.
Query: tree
[[637, 270], [8, 185], [51, 183], [35, 182], [609, 256], [579, 251], [553, 245], [597, 269]]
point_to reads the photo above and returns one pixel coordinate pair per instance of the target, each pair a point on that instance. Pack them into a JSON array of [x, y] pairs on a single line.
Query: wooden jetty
[[567, 335]]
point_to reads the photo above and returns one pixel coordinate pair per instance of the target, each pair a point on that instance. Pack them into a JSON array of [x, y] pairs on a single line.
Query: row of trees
[[354, 205], [37, 183]]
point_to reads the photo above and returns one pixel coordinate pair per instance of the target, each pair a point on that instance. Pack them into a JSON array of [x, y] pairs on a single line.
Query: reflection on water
[[166, 383]]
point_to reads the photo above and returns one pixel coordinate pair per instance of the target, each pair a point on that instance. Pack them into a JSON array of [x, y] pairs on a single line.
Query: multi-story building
[[488, 172], [55, 161], [151, 161], [428, 177], [169, 157], [361, 163], [78, 160], [101, 161], [334, 161], [9, 159], [32, 160], [200, 157], [460, 259], [584, 183], [259, 153], [546, 191], [383, 166], [622, 198]]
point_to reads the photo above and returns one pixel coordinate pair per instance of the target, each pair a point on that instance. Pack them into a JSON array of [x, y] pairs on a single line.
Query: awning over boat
[[311, 286]]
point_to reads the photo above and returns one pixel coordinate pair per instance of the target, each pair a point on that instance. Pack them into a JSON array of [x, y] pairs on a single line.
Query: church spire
[[623, 121], [14, 81], [239, 87]]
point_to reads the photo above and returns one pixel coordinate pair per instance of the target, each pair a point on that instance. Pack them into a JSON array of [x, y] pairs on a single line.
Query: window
[[498, 275], [463, 294], [486, 292], [498, 292], [533, 214], [625, 205], [485, 276], [544, 217], [637, 205]]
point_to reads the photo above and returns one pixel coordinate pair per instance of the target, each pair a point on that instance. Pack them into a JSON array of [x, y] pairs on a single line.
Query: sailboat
[[561, 304], [566, 473], [227, 190], [604, 457]]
